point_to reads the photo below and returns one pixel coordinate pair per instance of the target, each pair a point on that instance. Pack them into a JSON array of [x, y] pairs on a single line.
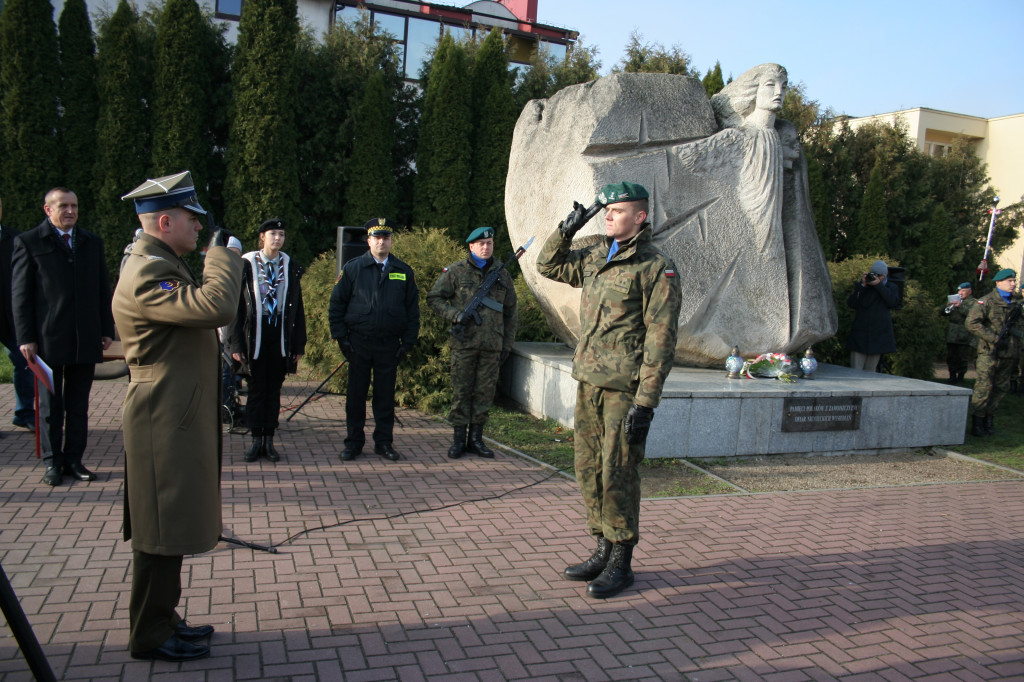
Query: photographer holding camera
[[872, 332]]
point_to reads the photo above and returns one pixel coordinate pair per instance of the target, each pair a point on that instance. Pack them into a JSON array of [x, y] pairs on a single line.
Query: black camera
[[871, 277]]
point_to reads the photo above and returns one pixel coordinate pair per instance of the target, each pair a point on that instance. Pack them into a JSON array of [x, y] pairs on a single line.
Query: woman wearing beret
[[268, 335]]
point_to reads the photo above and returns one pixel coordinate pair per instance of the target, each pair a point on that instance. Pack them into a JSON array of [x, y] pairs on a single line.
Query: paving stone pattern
[[449, 570]]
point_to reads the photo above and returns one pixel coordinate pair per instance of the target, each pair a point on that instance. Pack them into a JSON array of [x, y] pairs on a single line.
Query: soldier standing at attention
[[997, 322], [168, 322], [958, 340], [478, 350], [629, 316]]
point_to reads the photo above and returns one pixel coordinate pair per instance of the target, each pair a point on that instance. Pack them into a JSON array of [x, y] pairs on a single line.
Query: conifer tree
[[872, 236], [444, 156], [78, 99], [494, 118], [372, 190], [713, 81], [262, 173], [122, 133], [29, 81], [182, 108]]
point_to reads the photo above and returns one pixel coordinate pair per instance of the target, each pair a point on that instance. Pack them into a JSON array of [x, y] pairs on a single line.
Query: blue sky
[[858, 58]]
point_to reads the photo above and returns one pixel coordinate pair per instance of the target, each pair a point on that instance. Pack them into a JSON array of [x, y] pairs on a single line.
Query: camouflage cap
[[480, 233], [621, 191], [1005, 273], [170, 191], [378, 227]]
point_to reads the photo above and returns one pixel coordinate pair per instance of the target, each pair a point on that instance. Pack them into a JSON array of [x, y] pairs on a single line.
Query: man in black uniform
[[375, 317]]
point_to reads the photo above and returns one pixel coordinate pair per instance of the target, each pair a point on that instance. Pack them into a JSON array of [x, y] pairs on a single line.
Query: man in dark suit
[[24, 412], [61, 298]]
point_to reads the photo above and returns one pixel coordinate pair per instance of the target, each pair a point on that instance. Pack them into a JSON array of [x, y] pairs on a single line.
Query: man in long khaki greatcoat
[[168, 321]]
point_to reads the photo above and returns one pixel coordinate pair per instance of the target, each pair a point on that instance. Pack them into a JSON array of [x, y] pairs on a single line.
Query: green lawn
[[1006, 448]]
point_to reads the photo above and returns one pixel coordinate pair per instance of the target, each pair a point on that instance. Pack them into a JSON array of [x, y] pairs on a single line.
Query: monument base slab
[[705, 414]]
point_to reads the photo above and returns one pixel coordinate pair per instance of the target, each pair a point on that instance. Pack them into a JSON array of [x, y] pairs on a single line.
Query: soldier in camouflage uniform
[[477, 349], [958, 340], [987, 319], [629, 315]]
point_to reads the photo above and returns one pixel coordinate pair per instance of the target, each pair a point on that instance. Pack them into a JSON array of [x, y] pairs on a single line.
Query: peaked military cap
[[621, 191], [480, 233], [272, 224], [378, 227], [170, 191], [1005, 273]]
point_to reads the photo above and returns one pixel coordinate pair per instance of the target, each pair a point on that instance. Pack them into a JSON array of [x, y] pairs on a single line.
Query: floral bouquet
[[772, 365]]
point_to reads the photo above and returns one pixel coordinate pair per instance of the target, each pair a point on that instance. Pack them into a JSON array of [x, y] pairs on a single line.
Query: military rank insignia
[[169, 285]]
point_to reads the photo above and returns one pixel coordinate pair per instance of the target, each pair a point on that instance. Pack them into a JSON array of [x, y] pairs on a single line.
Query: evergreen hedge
[[78, 100]]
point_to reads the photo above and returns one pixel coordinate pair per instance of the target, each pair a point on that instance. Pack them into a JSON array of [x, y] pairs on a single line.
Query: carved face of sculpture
[[771, 91], [623, 219]]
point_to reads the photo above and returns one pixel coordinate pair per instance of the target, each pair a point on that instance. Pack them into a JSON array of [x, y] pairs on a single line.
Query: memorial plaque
[[821, 414]]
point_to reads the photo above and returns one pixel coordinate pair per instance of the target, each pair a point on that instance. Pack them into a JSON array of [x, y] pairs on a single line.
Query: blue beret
[[965, 285], [1005, 273], [621, 191], [480, 233]]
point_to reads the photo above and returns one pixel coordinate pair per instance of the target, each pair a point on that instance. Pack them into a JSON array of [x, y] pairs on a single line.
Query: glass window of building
[[390, 23], [459, 33], [557, 51], [229, 8], [422, 37]]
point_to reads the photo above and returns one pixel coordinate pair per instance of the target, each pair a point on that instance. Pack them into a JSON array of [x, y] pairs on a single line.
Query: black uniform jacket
[[384, 307], [61, 299]]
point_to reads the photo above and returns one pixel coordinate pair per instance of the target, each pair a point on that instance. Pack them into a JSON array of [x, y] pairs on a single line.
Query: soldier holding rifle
[[477, 296], [997, 322]]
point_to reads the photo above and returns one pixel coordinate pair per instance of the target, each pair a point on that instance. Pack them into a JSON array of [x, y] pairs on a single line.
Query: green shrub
[[919, 330]]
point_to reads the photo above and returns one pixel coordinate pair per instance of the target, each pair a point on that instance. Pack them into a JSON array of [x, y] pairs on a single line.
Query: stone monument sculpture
[[729, 203]]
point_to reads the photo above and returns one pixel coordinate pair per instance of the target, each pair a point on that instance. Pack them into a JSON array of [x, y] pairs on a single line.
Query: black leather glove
[[573, 222], [346, 348], [461, 318], [220, 237], [638, 423], [400, 354]]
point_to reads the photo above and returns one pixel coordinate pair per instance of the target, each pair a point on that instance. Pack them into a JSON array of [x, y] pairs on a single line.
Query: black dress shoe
[[191, 634], [78, 470], [52, 476], [350, 453], [175, 650], [386, 451]]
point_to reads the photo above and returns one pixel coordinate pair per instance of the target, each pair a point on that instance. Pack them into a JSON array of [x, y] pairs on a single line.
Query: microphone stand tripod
[[315, 391]]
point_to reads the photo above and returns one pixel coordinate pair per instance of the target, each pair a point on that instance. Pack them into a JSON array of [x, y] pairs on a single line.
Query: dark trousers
[[263, 406], [374, 357], [156, 590], [24, 388], [69, 412]]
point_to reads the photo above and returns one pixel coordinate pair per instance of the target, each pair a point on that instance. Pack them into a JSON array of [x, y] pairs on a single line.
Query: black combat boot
[[1013, 386], [475, 445], [268, 446], [990, 424], [616, 576], [256, 448], [592, 567], [458, 447], [978, 426]]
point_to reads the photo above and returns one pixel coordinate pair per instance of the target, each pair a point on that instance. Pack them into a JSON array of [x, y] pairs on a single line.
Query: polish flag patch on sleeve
[[669, 272]]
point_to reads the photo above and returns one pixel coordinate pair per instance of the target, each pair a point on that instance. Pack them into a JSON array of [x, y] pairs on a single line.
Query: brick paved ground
[[921, 583]]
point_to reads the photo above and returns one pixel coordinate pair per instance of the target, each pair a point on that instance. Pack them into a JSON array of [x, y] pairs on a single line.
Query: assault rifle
[[471, 311], [1011, 318]]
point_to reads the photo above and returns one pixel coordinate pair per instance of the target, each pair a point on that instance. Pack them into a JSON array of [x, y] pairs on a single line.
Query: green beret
[[480, 233], [621, 191], [965, 285], [1005, 273], [378, 227]]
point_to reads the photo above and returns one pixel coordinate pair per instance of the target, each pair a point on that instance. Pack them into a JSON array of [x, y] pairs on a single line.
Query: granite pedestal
[[705, 414]]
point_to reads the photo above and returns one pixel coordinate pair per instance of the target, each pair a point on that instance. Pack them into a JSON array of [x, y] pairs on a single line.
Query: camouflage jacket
[[956, 332], [985, 320], [629, 312], [453, 290]]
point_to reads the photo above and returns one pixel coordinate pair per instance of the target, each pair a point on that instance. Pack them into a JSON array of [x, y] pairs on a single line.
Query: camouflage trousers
[[607, 467], [474, 379], [993, 383]]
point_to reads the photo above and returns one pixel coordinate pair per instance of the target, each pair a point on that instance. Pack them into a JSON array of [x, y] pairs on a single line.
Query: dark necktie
[[67, 240]]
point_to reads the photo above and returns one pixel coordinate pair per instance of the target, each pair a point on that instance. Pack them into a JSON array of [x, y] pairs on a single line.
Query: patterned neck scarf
[[271, 275]]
